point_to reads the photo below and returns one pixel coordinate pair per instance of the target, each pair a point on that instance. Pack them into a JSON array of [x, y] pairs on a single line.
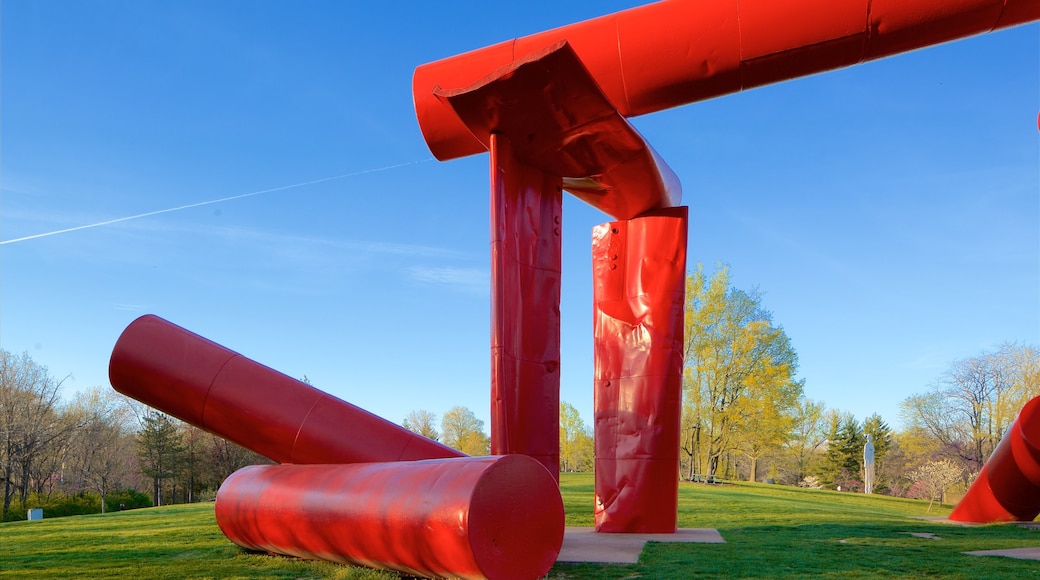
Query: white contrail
[[210, 202]]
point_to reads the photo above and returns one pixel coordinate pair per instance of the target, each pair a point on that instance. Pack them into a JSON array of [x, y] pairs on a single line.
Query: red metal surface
[[526, 209], [639, 272], [561, 123], [671, 53], [225, 393], [472, 517], [1008, 487]]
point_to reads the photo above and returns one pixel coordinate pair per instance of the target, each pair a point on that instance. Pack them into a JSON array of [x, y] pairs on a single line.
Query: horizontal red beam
[[470, 517], [676, 52]]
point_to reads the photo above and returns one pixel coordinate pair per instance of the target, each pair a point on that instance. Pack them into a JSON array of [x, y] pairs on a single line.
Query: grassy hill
[[771, 531]]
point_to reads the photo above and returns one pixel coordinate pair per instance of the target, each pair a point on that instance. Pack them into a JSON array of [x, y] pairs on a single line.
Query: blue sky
[[889, 212]]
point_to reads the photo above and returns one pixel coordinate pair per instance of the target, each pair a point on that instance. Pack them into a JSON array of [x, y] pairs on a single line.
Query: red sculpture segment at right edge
[[1007, 488], [639, 289]]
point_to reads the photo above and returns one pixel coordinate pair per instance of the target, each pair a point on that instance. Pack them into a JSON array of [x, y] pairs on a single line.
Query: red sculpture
[[1008, 487], [551, 109], [676, 52]]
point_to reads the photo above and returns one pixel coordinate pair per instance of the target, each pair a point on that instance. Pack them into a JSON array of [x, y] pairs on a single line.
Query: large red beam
[[214, 388], [675, 52]]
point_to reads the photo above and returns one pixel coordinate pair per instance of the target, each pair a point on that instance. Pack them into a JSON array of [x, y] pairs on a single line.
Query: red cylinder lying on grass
[[198, 381], [471, 517], [1008, 487]]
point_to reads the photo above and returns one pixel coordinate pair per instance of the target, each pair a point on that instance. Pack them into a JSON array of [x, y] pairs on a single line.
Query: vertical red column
[[526, 208], [639, 271]]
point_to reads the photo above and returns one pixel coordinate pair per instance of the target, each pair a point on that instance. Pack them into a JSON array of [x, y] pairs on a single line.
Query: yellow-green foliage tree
[[576, 448], [461, 430], [739, 391]]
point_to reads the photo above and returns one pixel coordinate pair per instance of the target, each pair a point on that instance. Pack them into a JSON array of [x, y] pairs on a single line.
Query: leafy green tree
[[765, 421], [160, 450], [576, 445], [462, 430], [739, 389]]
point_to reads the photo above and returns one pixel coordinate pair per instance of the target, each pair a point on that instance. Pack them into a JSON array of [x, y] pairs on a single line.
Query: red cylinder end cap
[[516, 519]]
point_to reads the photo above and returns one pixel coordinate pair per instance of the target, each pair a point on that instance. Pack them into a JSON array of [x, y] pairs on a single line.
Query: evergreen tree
[[881, 436], [160, 449], [844, 452]]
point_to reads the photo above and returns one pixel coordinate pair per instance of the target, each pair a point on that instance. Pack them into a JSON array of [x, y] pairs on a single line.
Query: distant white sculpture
[[868, 466]]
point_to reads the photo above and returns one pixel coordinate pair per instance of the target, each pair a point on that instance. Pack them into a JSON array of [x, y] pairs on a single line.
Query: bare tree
[[30, 425], [101, 449], [422, 422], [935, 477], [226, 458], [808, 434]]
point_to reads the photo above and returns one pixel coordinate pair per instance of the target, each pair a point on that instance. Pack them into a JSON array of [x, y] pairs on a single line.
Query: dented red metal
[[471, 517], [560, 122], [672, 53], [526, 211], [1007, 488], [225, 393], [639, 273]]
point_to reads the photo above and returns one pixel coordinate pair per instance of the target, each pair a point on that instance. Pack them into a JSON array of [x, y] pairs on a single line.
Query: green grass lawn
[[770, 531]]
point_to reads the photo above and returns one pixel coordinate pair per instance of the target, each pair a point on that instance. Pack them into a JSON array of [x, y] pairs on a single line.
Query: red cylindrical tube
[[639, 272], [525, 308], [671, 53], [471, 517], [225, 393], [1007, 488]]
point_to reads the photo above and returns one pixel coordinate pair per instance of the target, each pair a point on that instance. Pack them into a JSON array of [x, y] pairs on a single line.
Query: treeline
[[460, 429], [100, 451], [745, 415]]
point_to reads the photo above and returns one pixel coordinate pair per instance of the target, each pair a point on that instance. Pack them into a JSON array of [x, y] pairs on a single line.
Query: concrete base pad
[[1018, 553], [585, 545]]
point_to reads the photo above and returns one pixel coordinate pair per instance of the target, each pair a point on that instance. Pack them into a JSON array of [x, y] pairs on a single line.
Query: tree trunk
[[753, 476]]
